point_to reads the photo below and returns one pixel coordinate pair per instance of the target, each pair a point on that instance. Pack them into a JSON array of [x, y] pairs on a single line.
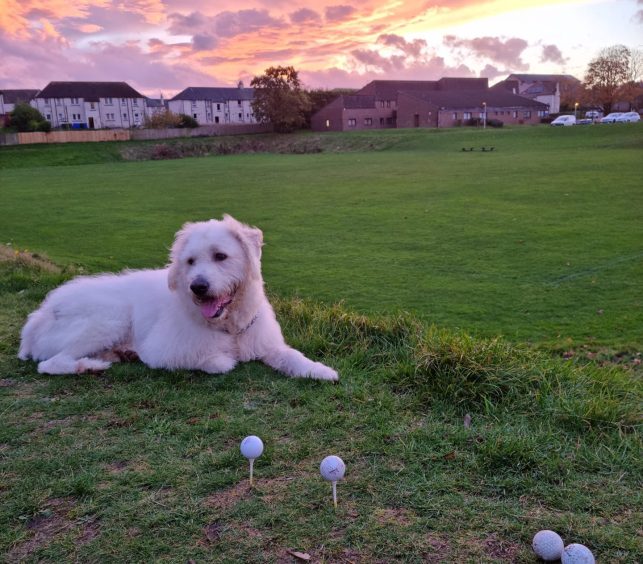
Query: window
[[216, 119], [239, 102], [109, 101], [542, 113], [74, 100], [514, 114], [455, 115], [48, 117], [327, 123], [466, 115], [368, 121], [92, 106], [352, 122], [388, 103], [123, 101], [109, 117], [135, 102], [526, 114], [194, 116], [124, 116], [218, 107]]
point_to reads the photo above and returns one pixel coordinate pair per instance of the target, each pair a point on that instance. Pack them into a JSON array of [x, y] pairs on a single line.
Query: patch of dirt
[[439, 549], [501, 549], [398, 516], [117, 467], [52, 522], [26, 258], [211, 534], [273, 489], [228, 498]]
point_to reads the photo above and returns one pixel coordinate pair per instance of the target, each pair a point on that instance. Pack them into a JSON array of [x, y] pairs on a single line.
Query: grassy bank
[[140, 465]]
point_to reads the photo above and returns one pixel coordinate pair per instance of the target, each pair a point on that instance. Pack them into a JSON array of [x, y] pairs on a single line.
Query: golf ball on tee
[[252, 447], [332, 468], [548, 545], [577, 554]]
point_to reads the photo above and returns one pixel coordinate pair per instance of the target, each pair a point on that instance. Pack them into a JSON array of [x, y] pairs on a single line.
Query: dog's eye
[[190, 261], [218, 257]]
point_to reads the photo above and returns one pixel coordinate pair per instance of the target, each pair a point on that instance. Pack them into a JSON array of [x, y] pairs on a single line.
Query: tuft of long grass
[[431, 363]]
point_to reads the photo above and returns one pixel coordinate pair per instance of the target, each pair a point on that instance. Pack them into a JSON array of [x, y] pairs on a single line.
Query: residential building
[[447, 102], [92, 105], [155, 106], [546, 88], [215, 105], [9, 99]]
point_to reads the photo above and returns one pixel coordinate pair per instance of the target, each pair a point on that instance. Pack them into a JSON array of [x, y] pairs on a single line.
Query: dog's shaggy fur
[[206, 311]]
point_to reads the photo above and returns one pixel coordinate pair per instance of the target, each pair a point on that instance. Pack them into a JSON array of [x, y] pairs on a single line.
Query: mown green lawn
[[539, 240], [143, 465]]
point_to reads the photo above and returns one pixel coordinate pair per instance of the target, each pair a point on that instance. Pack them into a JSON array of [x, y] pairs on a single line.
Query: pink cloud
[[551, 53], [507, 51], [335, 13]]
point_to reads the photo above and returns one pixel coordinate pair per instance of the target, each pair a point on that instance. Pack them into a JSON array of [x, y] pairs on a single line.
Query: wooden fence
[[93, 135]]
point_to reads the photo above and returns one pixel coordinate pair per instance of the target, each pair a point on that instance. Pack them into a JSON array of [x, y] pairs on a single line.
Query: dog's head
[[211, 261]]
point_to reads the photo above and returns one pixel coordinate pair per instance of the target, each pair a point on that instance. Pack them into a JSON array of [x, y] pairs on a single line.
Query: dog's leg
[[63, 363], [219, 364], [293, 363]]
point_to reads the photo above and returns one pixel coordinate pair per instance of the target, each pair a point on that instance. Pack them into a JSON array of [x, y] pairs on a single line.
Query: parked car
[[593, 114], [584, 121], [611, 118], [564, 120], [628, 117]]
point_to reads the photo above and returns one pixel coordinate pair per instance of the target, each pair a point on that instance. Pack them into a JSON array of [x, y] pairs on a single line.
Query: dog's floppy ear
[[175, 251], [251, 239]]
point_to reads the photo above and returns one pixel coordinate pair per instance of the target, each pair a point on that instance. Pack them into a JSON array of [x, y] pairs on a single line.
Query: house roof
[[214, 94], [89, 91], [543, 77], [388, 89], [15, 96], [357, 102], [155, 102], [472, 99]]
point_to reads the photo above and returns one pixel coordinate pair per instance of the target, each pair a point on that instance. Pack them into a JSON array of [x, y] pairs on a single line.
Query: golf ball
[[548, 545], [332, 468], [577, 554], [252, 447]]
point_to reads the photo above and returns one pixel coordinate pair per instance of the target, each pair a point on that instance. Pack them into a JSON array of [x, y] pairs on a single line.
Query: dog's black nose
[[199, 286]]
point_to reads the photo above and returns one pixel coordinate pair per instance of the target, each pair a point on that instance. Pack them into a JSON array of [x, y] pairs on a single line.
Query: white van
[[564, 120]]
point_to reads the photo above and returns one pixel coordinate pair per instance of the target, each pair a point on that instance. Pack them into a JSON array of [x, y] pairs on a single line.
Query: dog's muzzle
[[212, 306]]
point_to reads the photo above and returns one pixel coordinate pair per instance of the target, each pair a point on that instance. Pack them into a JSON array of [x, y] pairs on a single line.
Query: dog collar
[[242, 331]]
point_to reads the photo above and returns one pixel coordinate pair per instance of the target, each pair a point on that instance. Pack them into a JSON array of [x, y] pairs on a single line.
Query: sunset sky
[[167, 45]]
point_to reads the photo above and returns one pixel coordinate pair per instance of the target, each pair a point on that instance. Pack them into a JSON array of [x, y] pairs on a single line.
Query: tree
[[607, 73], [279, 99], [320, 98], [26, 118], [162, 120]]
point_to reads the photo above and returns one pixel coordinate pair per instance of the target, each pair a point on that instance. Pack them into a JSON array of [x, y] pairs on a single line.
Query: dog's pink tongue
[[212, 307]]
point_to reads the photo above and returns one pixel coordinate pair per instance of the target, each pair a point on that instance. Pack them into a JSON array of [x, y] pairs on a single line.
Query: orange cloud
[[328, 40]]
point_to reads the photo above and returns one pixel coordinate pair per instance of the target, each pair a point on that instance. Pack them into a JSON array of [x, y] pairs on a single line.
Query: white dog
[[206, 311]]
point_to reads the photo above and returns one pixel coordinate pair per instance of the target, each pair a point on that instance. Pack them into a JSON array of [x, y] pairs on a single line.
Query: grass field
[[539, 241]]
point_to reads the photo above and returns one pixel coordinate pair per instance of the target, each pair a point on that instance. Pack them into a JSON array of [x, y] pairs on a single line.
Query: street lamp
[[576, 110], [484, 115]]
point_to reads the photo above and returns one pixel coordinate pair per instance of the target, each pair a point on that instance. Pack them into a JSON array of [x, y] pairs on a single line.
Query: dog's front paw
[[322, 372], [219, 365]]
